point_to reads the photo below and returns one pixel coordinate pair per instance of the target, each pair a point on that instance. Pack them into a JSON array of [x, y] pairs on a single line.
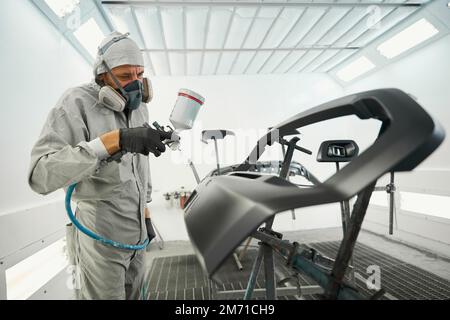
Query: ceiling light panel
[[387, 23], [89, 35], [408, 38], [62, 7], [355, 69]]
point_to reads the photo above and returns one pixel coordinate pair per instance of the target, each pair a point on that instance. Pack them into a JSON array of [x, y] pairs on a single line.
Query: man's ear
[[100, 79], [108, 81]]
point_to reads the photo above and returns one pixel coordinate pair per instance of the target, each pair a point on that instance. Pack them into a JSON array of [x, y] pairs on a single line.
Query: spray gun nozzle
[[157, 126]]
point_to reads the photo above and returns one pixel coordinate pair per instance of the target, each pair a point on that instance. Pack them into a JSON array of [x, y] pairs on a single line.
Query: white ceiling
[[209, 37], [253, 37]]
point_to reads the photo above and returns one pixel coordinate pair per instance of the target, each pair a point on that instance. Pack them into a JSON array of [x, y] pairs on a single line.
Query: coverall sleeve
[[61, 156]]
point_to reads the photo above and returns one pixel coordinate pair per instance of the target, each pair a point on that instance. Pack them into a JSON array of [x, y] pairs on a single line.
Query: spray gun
[[182, 118], [174, 142]]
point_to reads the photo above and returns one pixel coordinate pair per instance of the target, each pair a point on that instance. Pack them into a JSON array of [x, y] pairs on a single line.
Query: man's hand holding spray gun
[[146, 139]]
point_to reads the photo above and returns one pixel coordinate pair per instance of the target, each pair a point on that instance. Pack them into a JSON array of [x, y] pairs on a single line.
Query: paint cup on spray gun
[[182, 117], [185, 112]]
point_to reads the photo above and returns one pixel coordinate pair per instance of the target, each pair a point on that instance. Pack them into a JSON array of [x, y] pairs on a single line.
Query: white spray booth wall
[[425, 75], [38, 65]]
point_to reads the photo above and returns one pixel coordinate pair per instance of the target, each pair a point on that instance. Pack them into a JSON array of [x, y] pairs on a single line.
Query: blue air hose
[[93, 235]]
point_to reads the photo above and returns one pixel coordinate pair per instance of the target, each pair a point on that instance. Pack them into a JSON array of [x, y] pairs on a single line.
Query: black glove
[[150, 231], [143, 140]]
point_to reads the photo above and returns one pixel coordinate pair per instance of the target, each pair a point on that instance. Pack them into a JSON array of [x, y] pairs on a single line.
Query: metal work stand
[[345, 218], [265, 252], [345, 252], [283, 150], [391, 189]]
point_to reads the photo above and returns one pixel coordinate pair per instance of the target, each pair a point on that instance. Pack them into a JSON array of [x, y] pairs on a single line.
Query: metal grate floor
[[181, 277]]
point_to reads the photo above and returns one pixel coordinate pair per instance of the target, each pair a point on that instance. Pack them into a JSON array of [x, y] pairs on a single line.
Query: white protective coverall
[[110, 196]]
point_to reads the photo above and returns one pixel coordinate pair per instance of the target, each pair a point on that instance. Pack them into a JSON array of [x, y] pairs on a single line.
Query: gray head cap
[[117, 50]]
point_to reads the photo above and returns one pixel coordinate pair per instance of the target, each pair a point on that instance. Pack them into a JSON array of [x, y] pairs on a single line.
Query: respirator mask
[[128, 97], [121, 98]]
